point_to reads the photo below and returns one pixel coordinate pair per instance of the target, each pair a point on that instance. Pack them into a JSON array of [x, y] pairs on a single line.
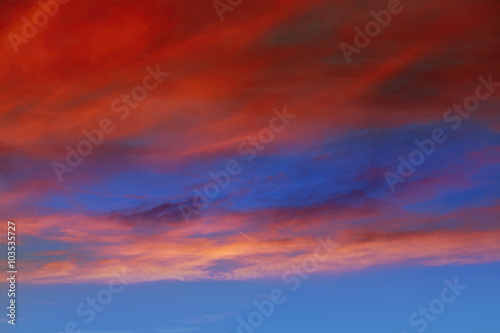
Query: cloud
[[168, 213], [191, 253], [176, 330], [206, 318], [322, 175], [46, 302]]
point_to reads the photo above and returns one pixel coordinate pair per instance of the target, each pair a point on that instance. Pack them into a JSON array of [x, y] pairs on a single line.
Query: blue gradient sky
[[377, 300]]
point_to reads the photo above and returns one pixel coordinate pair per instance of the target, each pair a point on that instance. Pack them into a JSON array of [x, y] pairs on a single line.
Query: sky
[[204, 166]]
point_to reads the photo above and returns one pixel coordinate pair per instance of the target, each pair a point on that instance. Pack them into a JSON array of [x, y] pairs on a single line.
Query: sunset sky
[[265, 88]]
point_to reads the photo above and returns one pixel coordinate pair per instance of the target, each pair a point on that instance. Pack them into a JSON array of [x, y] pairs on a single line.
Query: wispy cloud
[[206, 318], [176, 330], [46, 303]]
